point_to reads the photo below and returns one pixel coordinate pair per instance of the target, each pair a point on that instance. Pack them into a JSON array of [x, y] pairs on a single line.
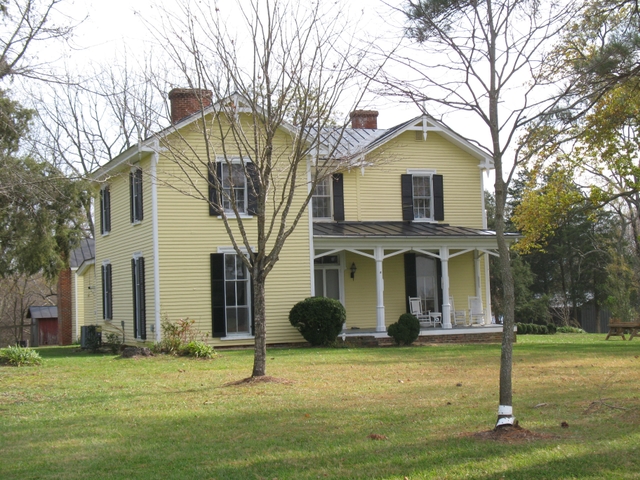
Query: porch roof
[[397, 230]]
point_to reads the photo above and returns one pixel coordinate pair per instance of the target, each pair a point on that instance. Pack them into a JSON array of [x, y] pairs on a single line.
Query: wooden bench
[[618, 329]]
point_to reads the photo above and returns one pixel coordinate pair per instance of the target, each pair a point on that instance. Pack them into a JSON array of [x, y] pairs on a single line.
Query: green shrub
[[112, 340], [543, 330], [520, 328], [525, 328], [197, 349], [570, 330], [406, 330], [318, 319], [175, 335], [19, 356], [551, 327]]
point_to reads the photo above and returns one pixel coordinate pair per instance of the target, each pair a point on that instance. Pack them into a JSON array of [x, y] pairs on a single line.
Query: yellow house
[[405, 220]]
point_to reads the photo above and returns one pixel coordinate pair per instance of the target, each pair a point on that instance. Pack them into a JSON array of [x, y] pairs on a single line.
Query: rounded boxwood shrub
[[318, 319], [543, 330], [406, 330], [552, 328]]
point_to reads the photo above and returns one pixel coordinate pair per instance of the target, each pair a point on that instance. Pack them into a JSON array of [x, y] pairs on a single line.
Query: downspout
[[156, 248]]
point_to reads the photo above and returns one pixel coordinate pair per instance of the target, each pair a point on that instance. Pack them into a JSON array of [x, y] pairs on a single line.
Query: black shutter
[[102, 219], [131, 199], [139, 204], [438, 197], [410, 280], [107, 210], [214, 194], [338, 197], [143, 306], [406, 182], [253, 188], [135, 293], [110, 290], [218, 318], [104, 293]]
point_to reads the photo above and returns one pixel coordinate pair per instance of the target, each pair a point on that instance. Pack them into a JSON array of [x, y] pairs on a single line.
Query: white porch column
[[446, 306], [487, 288], [378, 253], [476, 271]]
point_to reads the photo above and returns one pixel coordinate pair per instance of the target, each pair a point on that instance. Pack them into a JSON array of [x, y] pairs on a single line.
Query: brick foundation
[[64, 307]]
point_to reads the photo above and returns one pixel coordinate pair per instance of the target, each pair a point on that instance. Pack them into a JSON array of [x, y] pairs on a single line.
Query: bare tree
[[276, 80], [86, 121], [24, 24], [484, 58]]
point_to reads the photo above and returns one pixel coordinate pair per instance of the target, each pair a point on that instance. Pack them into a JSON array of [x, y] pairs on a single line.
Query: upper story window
[[321, 201], [327, 202], [105, 210], [240, 183], [422, 196], [234, 187], [135, 191]]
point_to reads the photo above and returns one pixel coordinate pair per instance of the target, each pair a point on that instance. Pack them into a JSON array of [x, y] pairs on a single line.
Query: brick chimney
[[364, 119], [186, 101]]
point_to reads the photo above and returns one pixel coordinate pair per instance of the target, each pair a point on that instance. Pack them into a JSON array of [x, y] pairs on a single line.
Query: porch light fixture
[[353, 271]]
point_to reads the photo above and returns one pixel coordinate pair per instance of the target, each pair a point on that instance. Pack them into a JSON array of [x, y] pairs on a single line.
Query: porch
[[490, 333], [374, 267]]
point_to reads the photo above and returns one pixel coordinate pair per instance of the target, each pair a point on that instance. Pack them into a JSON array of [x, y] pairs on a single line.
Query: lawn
[[82, 415]]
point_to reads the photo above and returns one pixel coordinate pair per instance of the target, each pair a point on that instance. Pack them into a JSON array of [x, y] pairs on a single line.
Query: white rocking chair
[[476, 312], [458, 317], [415, 308]]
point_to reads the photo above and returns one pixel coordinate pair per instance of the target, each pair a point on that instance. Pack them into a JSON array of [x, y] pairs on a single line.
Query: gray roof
[[43, 312], [395, 229], [86, 251]]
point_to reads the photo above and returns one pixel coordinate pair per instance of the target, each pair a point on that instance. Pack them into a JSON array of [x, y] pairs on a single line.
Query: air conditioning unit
[[90, 336]]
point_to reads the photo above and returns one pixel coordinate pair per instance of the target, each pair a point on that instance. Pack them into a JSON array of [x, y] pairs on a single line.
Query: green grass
[[82, 416]]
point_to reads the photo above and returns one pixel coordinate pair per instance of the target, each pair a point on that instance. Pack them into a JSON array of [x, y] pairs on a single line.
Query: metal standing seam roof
[[43, 312], [395, 229], [86, 251]]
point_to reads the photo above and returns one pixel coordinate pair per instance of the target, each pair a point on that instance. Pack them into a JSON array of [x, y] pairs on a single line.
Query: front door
[[427, 283]]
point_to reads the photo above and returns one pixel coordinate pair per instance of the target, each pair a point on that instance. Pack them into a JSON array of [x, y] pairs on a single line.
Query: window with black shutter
[[105, 210], [233, 186], [231, 301], [135, 195], [107, 296], [139, 306], [422, 197]]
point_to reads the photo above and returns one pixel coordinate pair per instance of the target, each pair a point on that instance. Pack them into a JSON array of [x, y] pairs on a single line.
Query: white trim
[[156, 247], [421, 171], [85, 265], [237, 337], [231, 250], [137, 255], [311, 241]]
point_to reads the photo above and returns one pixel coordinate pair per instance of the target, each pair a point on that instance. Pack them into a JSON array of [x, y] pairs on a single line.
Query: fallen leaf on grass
[[564, 425], [541, 405], [376, 436]]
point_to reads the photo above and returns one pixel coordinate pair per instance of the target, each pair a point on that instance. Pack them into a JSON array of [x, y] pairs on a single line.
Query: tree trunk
[[260, 333]]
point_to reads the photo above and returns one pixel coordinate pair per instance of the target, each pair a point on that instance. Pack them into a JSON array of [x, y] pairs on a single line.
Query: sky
[[111, 26]]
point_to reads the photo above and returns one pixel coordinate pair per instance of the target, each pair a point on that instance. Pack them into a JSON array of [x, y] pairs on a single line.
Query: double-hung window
[[327, 202], [107, 295], [139, 306], [233, 182], [234, 187], [422, 196], [135, 197], [321, 201], [105, 210]]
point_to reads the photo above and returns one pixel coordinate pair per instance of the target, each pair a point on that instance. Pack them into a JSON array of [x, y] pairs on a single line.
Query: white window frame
[[223, 199], [423, 173], [328, 179], [241, 335]]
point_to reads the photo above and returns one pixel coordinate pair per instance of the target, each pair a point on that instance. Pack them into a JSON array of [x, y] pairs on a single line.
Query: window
[[230, 296], [234, 187], [321, 201], [328, 199], [135, 190], [105, 210], [327, 276], [107, 299], [422, 196], [139, 310]]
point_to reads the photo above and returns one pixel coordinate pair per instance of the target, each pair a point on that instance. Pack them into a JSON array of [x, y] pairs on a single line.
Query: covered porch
[[374, 267]]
